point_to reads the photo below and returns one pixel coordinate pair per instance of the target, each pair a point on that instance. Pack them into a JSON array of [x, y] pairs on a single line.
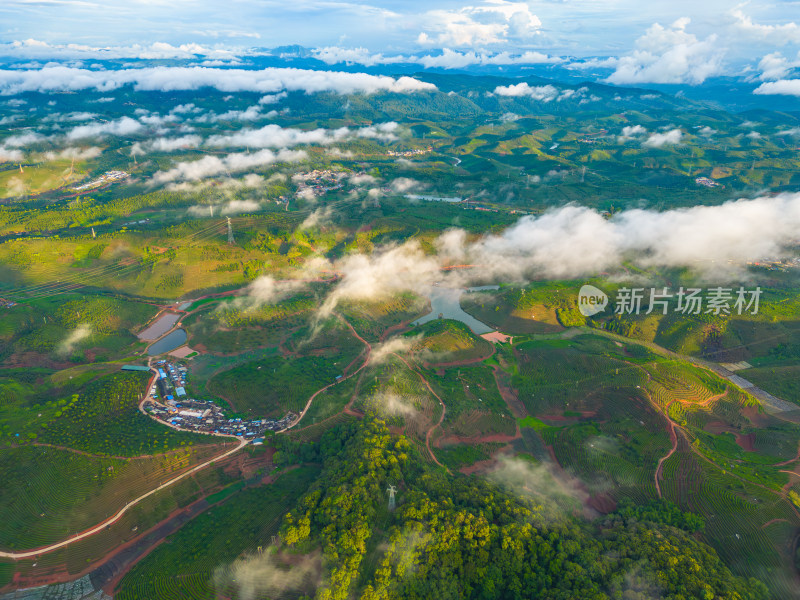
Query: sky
[[680, 41]]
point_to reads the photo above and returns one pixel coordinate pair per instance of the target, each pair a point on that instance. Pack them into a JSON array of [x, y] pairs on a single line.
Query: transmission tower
[[230, 232], [392, 490]]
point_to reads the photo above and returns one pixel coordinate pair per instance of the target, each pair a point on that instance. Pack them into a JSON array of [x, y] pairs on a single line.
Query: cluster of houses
[[139, 222], [320, 181], [105, 179], [205, 416], [415, 152], [171, 381], [167, 401], [777, 264], [706, 182]]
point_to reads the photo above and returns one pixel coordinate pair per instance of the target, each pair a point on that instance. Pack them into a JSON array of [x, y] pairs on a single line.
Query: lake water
[[160, 326], [447, 302], [176, 339]]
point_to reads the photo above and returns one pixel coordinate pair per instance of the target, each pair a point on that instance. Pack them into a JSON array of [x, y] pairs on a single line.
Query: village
[[167, 401], [407, 153], [319, 181], [106, 178]]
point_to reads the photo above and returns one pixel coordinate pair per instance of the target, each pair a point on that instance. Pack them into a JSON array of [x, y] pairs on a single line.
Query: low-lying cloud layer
[[656, 140], [540, 482], [274, 136], [210, 166], [395, 345], [266, 81], [76, 336], [575, 241], [264, 138], [262, 575], [545, 93]]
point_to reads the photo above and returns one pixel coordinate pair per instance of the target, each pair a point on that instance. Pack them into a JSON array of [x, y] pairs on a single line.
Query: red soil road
[[398, 327], [672, 435], [330, 385], [199, 508], [353, 362], [118, 515], [674, 439], [671, 428], [461, 363], [782, 494], [479, 439], [61, 575], [441, 417], [773, 521], [516, 407], [786, 462]]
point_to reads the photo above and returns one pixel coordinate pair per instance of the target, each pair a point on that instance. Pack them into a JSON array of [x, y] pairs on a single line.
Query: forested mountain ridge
[[464, 537]]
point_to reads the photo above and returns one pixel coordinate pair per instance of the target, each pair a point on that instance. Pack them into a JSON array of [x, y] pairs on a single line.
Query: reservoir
[[160, 326], [168, 343], [447, 302]]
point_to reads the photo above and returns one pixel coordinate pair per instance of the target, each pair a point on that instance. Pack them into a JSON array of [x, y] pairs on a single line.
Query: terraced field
[[670, 382], [396, 393], [372, 319], [445, 342], [51, 493], [751, 528], [104, 419], [239, 527], [554, 375], [274, 385], [616, 451]]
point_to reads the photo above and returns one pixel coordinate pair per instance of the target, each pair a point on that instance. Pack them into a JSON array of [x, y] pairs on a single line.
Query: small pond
[[176, 339], [160, 326]]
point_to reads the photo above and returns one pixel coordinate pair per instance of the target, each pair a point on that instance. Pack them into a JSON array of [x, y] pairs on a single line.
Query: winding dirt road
[[330, 385], [441, 417], [118, 515], [674, 439]]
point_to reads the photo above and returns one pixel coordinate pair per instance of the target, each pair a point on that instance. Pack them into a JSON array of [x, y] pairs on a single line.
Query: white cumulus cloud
[[122, 126], [669, 55], [492, 22], [785, 33], [210, 166], [656, 140], [785, 87]]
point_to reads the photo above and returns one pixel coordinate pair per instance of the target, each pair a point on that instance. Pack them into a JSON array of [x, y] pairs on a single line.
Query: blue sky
[[680, 40]]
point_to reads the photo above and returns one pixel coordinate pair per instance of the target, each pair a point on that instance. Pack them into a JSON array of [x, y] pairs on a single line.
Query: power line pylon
[[230, 232]]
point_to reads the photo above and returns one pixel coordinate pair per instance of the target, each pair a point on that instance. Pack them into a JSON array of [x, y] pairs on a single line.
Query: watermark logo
[[687, 301], [591, 300]]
